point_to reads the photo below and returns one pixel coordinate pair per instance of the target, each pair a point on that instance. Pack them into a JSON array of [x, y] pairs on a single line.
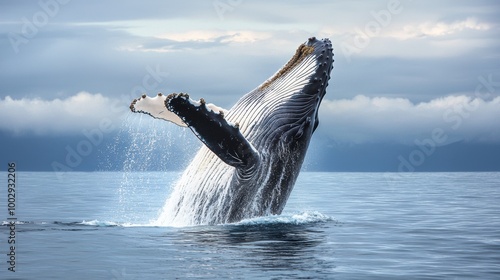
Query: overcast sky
[[415, 84]]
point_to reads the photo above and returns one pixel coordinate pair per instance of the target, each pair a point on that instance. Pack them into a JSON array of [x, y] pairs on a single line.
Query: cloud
[[397, 120], [439, 29], [420, 39], [238, 36], [358, 120], [220, 59], [58, 116], [195, 40]]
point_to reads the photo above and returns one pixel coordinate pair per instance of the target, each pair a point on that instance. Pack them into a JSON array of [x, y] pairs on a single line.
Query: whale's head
[[285, 107], [278, 119]]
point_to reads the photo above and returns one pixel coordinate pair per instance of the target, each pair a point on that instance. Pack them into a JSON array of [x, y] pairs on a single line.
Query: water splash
[[145, 144], [308, 217], [150, 144], [192, 200], [98, 223], [299, 218]]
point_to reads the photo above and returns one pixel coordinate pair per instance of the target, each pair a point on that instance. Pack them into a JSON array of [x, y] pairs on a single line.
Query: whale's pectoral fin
[[209, 125], [155, 107]]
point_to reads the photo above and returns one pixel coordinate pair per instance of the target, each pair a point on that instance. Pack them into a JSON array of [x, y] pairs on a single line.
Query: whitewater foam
[[302, 218], [98, 223], [307, 217]]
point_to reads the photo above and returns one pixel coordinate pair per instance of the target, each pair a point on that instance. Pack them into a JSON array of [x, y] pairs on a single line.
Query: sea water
[[101, 225]]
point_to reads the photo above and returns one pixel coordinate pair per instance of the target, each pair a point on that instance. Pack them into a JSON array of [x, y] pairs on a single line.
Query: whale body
[[254, 151]]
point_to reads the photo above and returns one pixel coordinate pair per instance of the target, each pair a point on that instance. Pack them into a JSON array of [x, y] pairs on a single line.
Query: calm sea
[[335, 226]]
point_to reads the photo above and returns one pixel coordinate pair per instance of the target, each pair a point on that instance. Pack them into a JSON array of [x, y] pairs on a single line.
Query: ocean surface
[[100, 225]]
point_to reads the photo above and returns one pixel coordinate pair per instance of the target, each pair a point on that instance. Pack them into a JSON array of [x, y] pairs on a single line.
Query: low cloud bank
[[358, 120], [58, 116], [397, 120]]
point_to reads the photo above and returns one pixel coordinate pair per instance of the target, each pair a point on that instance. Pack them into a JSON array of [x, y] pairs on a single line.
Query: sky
[[415, 85]]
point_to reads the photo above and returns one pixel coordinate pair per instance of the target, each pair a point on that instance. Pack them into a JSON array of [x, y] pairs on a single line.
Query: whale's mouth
[[302, 52], [312, 54]]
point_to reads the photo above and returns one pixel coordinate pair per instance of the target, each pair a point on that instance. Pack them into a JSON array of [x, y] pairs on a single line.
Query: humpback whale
[[253, 152]]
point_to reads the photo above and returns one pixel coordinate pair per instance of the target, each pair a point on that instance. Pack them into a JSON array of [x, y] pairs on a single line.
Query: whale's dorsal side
[[220, 136]]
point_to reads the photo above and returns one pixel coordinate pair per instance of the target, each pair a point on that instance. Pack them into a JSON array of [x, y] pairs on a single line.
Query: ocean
[[100, 225]]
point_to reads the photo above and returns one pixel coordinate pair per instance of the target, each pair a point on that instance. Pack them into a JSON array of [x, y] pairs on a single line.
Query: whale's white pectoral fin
[[155, 107], [208, 123]]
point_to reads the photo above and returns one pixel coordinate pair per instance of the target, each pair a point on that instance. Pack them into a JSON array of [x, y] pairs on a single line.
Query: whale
[[253, 152]]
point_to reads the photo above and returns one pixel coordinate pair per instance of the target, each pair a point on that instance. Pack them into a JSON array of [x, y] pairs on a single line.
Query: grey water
[[100, 225]]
